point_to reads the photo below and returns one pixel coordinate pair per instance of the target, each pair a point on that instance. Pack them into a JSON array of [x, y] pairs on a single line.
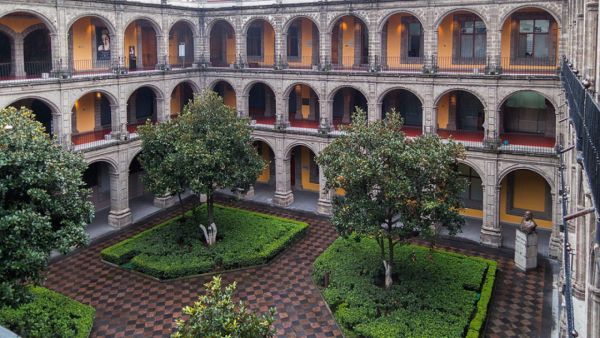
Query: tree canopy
[[207, 148], [43, 201], [396, 188]]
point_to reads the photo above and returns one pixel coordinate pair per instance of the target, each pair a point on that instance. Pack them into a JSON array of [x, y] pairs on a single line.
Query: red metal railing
[[89, 137]]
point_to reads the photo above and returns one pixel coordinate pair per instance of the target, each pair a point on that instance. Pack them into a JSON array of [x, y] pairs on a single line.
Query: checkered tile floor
[[129, 305]]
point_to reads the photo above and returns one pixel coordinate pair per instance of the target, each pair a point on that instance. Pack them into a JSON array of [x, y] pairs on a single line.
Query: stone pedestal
[[165, 201], [119, 219], [283, 199], [526, 250]]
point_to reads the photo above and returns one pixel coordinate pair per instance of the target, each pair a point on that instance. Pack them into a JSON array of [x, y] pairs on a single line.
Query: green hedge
[[175, 248], [49, 314], [435, 294]]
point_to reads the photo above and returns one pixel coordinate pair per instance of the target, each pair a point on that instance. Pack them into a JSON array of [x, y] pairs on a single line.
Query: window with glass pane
[[534, 38], [472, 197], [254, 41], [414, 39], [293, 42], [472, 38]]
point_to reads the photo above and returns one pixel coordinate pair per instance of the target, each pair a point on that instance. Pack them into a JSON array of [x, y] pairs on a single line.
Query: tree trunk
[[181, 205], [389, 264], [210, 233], [388, 274]]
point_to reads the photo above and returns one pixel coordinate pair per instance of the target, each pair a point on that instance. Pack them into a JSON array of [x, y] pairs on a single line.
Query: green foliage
[[48, 314], [437, 292], [207, 148], [396, 187], [215, 315], [175, 249], [43, 202]]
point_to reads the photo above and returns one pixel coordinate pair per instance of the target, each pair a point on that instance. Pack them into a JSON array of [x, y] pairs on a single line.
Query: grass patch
[[49, 314], [176, 249], [435, 293]]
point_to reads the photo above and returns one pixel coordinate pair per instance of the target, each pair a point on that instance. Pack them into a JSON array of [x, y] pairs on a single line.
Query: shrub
[[216, 315], [436, 293], [176, 248], [48, 314]]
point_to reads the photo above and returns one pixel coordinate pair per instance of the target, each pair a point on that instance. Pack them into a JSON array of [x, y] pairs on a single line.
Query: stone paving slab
[[129, 305]]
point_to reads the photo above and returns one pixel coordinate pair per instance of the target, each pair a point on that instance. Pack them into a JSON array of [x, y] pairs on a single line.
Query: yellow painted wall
[[175, 104], [442, 111], [445, 37], [306, 44], [347, 27], [231, 49], [529, 194], [471, 212], [394, 38], [19, 23], [306, 184], [85, 111], [505, 39], [130, 39], [230, 99], [269, 42], [265, 175], [174, 48], [83, 36]]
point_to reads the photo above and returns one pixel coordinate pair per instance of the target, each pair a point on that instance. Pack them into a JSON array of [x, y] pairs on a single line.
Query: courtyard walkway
[[130, 305]]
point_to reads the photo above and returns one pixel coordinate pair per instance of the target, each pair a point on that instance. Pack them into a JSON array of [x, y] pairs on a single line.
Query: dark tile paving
[[129, 305]]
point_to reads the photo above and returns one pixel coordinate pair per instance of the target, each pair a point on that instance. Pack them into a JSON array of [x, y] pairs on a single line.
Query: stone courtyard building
[[483, 73]]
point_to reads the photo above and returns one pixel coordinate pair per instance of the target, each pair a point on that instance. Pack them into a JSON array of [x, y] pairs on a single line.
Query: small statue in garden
[[528, 225]]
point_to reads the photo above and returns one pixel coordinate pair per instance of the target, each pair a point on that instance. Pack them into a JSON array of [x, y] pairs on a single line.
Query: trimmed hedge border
[[357, 312], [49, 314], [166, 261]]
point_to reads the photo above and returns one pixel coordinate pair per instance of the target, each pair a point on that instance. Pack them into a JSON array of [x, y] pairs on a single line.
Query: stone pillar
[[326, 114], [283, 183], [324, 39], [162, 110], [591, 39], [556, 237], [120, 214], [490, 127], [429, 120], [115, 127], [242, 105], [491, 231], [19, 57], [526, 249], [374, 110]]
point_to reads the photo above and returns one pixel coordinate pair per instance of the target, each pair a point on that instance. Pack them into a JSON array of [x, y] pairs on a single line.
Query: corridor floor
[[130, 305]]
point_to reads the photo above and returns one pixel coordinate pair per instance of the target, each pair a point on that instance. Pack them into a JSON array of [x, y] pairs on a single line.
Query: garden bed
[[176, 249], [49, 314], [435, 293]]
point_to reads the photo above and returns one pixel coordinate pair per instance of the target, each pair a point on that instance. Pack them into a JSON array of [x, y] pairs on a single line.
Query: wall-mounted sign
[[102, 44]]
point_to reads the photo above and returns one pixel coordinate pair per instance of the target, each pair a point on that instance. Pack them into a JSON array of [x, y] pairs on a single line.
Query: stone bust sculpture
[[528, 225]]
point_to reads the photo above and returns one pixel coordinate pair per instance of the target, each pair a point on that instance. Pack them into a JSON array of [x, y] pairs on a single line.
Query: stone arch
[[393, 88], [288, 149], [506, 16], [112, 98], [112, 164], [190, 24], [256, 18], [470, 91], [132, 156], [52, 105], [289, 88], [504, 173], [256, 138], [334, 91], [45, 20], [335, 19], [386, 17], [473, 165], [191, 83], [157, 91], [211, 24], [293, 18], [485, 19], [157, 28], [8, 31], [52, 123], [111, 28], [249, 85], [511, 93], [214, 82]]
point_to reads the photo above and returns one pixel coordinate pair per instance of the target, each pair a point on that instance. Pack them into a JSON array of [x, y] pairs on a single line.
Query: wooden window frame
[[261, 56], [515, 57], [457, 38], [294, 58], [469, 202], [405, 41]]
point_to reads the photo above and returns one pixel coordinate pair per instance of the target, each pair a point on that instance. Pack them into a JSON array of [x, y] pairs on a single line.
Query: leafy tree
[[43, 202], [216, 315], [395, 188], [207, 148]]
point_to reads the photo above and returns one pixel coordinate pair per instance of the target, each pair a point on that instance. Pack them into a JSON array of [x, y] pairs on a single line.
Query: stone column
[[324, 39], [591, 39], [374, 110], [283, 182], [115, 127], [491, 231], [19, 57], [429, 120], [242, 105], [326, 113], [490, 127], [162, 110], [120, 214]]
